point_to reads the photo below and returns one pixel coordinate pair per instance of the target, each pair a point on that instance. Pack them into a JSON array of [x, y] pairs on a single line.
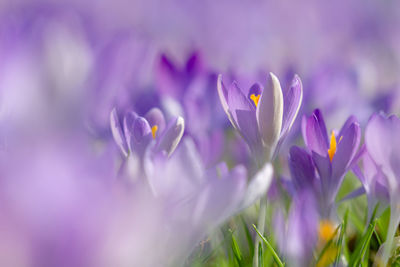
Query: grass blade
[[235, 249], [260, 255], [341, 237], [363, 245], [249, 239], [270, 248]]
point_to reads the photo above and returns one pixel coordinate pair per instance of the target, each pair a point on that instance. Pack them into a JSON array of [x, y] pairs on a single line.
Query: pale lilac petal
[[292, 100], [377, 136], [129, 120], [258, 186], [220, 197], [140, 136], [117, 132], [270, 112], [223, 97], [172, 135]]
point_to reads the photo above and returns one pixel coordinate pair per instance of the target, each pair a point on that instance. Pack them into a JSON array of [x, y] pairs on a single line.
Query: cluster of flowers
[[101, 165]]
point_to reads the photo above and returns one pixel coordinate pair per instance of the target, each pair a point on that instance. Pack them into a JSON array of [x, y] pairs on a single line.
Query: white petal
[[270, 113], [258, 186]]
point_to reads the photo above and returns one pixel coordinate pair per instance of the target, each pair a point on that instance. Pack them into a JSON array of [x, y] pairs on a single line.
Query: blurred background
[[65, 64]]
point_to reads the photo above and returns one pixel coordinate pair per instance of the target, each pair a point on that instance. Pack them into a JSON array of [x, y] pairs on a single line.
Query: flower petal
[[302, 169], [270, 112], [223, 97], [258, 186], [292, 99], [346, 149], [129, 120], [172, 135], [315, 134], [117, 132]]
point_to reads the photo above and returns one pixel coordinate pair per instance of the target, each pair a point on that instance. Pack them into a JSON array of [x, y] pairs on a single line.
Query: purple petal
[[292, 99], [172, 135], [346, 149], [193, 64], [156, 117], [301, 168], [270, 113], [238, 101], [117, 133], [347, 124], [247, 126], [354, 194], [324, 169], [377, 139], [168, 78], [315, 134]]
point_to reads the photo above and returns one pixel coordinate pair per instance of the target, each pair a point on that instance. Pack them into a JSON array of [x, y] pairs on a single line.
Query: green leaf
[[270, 248]]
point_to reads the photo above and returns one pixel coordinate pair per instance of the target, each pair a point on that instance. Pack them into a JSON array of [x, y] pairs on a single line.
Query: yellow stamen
[[255, 98], [332, 147], [154, 130], [326, 230]]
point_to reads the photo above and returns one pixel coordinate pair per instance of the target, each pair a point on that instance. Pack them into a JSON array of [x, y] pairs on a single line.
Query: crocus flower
[[382, 141], [373, 184], [138, 132], [264, 116], [332, 159]]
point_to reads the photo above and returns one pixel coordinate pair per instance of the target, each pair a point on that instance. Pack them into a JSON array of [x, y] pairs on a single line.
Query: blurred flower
[[136, 134], [297, 236], [382, 142], [374, 184]]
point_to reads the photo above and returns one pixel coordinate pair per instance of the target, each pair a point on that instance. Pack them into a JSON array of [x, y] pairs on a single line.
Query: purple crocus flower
[[383, 144], [138, 132], [263, 117], [374, 184], [331, 160]]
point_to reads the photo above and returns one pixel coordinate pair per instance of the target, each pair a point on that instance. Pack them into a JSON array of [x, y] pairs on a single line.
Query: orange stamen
[[154, 130], [255, 99]]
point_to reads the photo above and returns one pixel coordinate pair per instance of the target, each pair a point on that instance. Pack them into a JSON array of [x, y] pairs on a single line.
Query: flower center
[[154, 130], [255, 99]]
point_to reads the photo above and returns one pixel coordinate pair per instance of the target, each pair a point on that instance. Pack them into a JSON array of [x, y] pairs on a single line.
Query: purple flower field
[[199, 133]]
